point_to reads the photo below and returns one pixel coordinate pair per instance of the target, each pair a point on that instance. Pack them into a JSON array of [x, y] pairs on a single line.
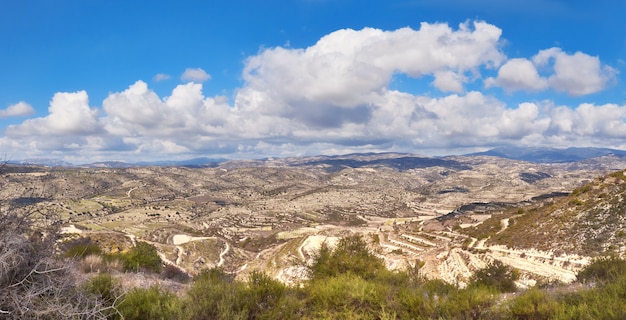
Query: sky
[[109, 80]]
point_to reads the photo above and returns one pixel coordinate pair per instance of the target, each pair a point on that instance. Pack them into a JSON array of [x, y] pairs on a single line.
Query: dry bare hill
[[271, 215], [590, 221]]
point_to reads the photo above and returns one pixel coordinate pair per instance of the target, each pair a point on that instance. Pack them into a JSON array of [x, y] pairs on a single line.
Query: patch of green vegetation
[[106, 288], [576, 202], [603, 269], [142, 256], [351, 255], [487, 228], [584, 189], [496, 275], [259, 243], [152, 303], [80, 248]]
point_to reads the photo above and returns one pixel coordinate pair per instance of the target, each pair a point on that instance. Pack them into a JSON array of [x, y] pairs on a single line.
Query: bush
[[346, 296], [534, 304], [474, 302], [174, 273], [151, 303], [351, 255], [93, 263], [215, 295], [142, 256], [106, 289], [604, 269], [81, 248], [496, 275], [33, 283], [267, 298]]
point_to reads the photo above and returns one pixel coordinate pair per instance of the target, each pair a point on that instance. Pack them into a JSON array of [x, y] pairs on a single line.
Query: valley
[[446, 217]]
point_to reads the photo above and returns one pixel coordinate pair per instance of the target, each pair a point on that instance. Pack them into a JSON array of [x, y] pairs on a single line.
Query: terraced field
[[273, 215]]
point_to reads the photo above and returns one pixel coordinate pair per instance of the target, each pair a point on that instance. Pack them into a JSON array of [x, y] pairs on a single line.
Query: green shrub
[[80, 248], [351, 255], [534, 304], [142, 256], [496, 275], [473, 302], [107, 290], [267, 298], [415, 302], [346, 296], [174, 273], [152, 303], [603, 269], [215, 294]]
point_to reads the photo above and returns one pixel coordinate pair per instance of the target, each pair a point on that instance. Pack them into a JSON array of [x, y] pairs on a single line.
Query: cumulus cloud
[[195, 75], [19, 109], [576, 74], [161, 77], [334, 97], [69, 114], [449, 81], [518, 74], [335, 82]]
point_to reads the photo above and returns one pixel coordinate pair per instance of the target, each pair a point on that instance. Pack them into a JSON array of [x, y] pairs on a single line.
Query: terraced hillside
[[590, 221], [446, 217]]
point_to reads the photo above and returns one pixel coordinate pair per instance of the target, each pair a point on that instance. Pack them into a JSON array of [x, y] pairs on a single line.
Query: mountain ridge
[[530, 154]]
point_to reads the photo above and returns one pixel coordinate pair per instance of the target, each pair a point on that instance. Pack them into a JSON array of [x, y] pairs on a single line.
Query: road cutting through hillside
[[222, 254]]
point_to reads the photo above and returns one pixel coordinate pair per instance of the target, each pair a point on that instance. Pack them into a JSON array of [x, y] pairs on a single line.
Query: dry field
[[272, 215]]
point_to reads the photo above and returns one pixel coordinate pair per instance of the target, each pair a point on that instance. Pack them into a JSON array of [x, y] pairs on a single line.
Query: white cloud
[[19, 109], [334, 82], [195, 75], [334, 96], [161, 77], [69, 114], [449, 81], [577, 74], [519, 74]]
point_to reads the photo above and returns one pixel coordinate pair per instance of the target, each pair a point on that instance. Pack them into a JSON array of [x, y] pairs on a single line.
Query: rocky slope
[[453, 214]]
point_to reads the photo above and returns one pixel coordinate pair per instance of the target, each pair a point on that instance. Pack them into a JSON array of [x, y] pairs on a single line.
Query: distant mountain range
[[196, 162], [395, 160], [549, 155]]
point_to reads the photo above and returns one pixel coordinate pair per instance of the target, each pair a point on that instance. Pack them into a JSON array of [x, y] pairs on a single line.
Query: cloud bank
[[335, 97]]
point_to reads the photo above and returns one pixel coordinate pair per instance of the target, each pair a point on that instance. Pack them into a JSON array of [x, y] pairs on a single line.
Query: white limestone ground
[[71, 229], [180, 239]]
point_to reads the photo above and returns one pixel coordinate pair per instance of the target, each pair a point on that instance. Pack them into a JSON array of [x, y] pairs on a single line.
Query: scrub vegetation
[[347, 281]]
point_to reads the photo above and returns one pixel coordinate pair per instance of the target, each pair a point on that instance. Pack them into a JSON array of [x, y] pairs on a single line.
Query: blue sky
[[94, 80]]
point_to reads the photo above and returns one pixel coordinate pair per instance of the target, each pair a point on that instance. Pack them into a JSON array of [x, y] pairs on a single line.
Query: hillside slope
[[590, 221]]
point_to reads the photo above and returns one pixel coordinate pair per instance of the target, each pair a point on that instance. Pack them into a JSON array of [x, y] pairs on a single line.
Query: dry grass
[[98, 264]]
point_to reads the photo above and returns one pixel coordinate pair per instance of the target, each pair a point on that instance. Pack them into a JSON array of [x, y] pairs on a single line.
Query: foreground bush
[[153, 303], [604, 269], [34, 282], [535, 304], [143, 256], [496, 275], [215, 294], [106, 288], [81, 248], [267, 298], [351, 255]]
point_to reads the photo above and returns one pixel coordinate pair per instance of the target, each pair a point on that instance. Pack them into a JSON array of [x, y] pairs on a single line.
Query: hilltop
[[271, 215]]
